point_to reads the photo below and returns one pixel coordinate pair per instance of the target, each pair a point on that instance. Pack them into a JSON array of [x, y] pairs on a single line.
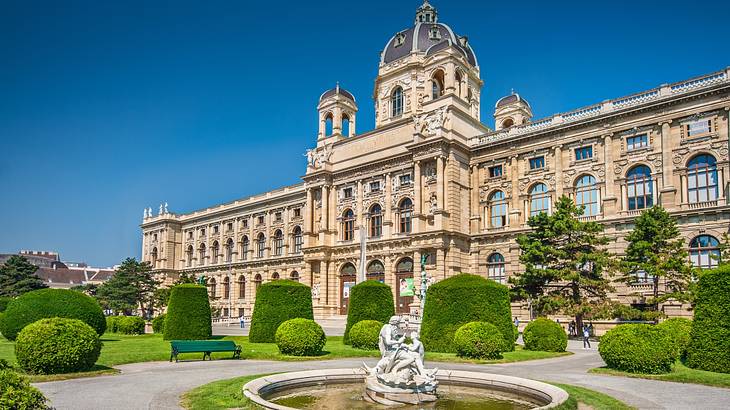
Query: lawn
[[680, 373], [591, 398]]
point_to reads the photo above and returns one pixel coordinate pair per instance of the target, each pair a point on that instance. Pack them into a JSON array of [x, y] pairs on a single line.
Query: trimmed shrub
[[4, 300], [158, 324], [543, 334], [679, 330], [57, 345], [276, 302], [188, 314], [365, 334], [709, 347], [300, 337], [517, 332], [369, 300], [638, 348], [130, 325], [17, 393], [479, 340], [46, 303], [111, 324], [461, 299]]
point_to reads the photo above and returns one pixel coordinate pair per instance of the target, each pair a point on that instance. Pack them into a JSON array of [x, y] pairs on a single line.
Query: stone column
[[668, 192], [417, 200], [515, 208], [558, 155], [476, 212], [609, 200], [325, 208], [449, 80], [360, 194], [387, 205], [440, 169], [308, 214]]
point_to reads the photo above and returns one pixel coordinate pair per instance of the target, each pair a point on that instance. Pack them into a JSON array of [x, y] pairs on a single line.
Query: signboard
[[346, 289], [406, 287]]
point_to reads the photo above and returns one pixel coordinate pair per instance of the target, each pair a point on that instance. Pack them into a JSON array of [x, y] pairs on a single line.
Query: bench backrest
[[202, 345]]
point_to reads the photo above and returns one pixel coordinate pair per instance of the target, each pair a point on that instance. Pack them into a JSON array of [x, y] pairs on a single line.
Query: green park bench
[[203, 346]]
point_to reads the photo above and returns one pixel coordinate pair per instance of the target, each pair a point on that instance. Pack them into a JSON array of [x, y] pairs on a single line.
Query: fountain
[[400, 379]]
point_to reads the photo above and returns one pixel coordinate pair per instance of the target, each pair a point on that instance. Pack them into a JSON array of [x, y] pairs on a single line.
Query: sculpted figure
[[389, 344]]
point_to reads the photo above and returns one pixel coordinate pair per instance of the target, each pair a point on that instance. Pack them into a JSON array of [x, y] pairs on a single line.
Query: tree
[[88, 288], [565, 261], [724, 258], [17, 276], [657, 249], [132, 286], [161, 295]]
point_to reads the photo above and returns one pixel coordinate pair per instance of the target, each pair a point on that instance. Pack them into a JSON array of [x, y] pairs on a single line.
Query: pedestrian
[[571, 328], [517, 321], [586, 335], [240, 319]]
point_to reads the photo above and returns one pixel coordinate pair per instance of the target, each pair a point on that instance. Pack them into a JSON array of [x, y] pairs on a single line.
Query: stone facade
[[431, 178]]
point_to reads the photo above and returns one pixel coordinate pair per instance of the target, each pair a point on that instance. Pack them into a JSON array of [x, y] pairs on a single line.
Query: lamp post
[[424, 281]]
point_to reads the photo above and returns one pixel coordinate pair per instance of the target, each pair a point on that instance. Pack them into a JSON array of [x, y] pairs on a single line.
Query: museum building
[[431, 179]]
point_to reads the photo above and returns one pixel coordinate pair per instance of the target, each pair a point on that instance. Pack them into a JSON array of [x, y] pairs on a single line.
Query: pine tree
[[565, 261], [657, 248], [17, 276], [132, 286]]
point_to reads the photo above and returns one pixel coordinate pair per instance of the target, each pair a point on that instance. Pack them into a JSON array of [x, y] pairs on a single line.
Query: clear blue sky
[[109, 107]]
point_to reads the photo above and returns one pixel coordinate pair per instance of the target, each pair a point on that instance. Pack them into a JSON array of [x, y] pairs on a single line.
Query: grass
[[680, 373], [591, 398]]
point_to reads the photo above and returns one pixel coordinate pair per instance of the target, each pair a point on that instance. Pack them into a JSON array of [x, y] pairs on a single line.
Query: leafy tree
[[565, 261], [724, 258], [88, 288], [657, 248], [132, 286], [17, 276]]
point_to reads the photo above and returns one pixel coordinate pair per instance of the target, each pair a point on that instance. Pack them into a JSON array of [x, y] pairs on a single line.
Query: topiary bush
[[130, 325], [16, 393], [158, 324], [638, 348], [57, 345], [4, 300], [300, 337], [479, 340], [543, 334], [46, 303], [461, 299], [369, 300], [276, 302], [679, 330], [365, 334], [709, 347], [188, 314], [111, 323]]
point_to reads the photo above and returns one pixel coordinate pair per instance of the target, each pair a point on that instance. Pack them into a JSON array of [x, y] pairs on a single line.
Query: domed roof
[[426, 33], [510, 99], [337, 90]]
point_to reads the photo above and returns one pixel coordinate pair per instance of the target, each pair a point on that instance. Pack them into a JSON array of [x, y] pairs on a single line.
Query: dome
[[510, 99], [335, 91], [426, 35]]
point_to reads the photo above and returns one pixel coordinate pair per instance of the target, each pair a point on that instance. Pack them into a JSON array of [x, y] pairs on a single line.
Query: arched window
[[404, 265], [275, 276], [437, 84], [260, 245], [539, 199], [201, 254], [396, 102], [345, 125], [298, 240], [508, 123], [153, 256], [226, 287], [702, 179], [704, 251], [245, 245], [376, 221], [458, 80], [190, 254], [348, 269], [405, 215], [278, 242], [216, 252], [229, 250], [328, 122], [639, 188], [348, 225], [497, 210], [241, 287], [294, 276], [586, 195], [257, 282], [495, 267], [376, 271], [213, 288]]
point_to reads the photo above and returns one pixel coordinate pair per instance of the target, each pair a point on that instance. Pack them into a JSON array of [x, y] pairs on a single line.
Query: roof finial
[[426, 13], [512, 91], [337, 87]]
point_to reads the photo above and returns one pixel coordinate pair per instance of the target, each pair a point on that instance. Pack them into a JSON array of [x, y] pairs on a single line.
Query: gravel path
[[159, 385]]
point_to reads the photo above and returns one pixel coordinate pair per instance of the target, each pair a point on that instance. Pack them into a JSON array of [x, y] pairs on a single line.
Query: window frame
[[702, 173], [583, 153], [405, 216], [497, 204], [496, 267], [492, 171], [711, 253], [541, 198], [538, 160], [636, 181]]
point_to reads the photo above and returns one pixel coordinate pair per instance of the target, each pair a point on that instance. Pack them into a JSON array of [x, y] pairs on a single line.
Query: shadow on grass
[[97, 370]]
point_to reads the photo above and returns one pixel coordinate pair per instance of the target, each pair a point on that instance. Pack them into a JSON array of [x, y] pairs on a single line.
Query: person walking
[[571, 328], [240, 319], [586, 336]]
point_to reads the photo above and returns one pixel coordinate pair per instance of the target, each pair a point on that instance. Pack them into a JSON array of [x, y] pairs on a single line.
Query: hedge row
[[276, 302], [369, 300], [709, 347]]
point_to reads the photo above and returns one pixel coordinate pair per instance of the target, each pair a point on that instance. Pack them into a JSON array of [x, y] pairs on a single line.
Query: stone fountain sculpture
[[399, 377]]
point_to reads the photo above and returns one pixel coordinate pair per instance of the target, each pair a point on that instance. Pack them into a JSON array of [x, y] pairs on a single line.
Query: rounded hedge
[[461, 299], [158, 324], [679, 330], [544, 335], [709, 347], [188, 314], [300, 337], [365, 334], [479, 340], [638, 348], [17, 393], [46, 303], [276, 302], [369, 300], [130, 325], [57, 345]]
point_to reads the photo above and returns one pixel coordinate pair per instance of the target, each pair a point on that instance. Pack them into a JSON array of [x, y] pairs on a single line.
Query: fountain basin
[[538, 395]]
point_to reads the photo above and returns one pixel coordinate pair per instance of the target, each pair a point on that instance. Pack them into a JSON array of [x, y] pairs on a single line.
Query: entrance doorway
[[347, 281], [405, 287]]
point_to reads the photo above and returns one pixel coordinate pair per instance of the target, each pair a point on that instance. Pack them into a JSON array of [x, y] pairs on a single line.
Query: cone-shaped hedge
[[47, 303], [188, 314], [276, 302], [369, 300], [709, 347], [461, 299]]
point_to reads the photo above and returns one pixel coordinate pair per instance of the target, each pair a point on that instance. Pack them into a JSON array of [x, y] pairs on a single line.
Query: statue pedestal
[[376, 392]]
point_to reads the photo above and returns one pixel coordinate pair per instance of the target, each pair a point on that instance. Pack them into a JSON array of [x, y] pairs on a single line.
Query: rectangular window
[[261, 220], [495, 171], [537, 162], [636, 142], [215, 229], [583, 153], [229, 226], [347, 193], [245, 223], [202, 232], [375, 186], [699, 127], [405, 179], [190, 235], [297, 212], [278, 216]]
